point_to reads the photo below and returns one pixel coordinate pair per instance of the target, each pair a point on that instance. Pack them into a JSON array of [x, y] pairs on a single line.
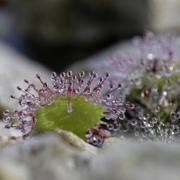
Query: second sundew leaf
[[85, 114], [143, 95]]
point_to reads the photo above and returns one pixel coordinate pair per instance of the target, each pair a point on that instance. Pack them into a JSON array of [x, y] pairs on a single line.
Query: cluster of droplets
[[91, 86], [136, 123]]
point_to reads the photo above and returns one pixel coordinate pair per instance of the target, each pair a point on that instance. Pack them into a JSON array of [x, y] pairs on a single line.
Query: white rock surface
[[48, 157], [14, 68], [44, 158], [136, 161]]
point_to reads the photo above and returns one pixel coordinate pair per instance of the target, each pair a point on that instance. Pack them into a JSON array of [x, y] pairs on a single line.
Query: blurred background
[[43, 35], [57, 33]]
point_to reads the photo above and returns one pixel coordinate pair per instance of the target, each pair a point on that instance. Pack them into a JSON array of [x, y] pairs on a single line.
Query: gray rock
[[136, 161], [50, 157], [43, 158]]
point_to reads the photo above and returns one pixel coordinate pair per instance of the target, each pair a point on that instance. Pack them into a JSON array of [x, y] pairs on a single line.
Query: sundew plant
[[151, 73], [140, 99], [75, 103]]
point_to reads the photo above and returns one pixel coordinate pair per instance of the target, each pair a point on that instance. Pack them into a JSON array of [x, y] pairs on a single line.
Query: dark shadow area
[[59, 33]]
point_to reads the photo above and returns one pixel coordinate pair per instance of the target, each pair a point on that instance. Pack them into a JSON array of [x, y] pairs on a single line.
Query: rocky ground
[[50, 157]]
